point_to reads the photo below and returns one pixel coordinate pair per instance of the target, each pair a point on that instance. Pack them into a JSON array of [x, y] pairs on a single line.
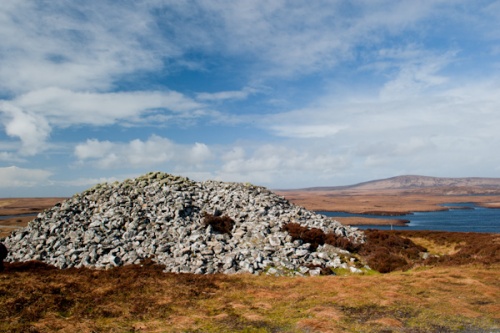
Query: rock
[[274, 241], [160, 216], [355, 270], [272, 271]]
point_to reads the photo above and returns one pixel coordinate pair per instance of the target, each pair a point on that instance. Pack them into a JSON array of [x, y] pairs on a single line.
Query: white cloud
[[199, 153], [142, 154], [64, 107], [448, 130], [415, 77], [31, 117], [306, 131], [89, 46], [302, 37], [280, 164], [88, 182], [93, 149], [375, 83], [19, 177], [83, 46], [31, 128], [235, 153], [9, 157], [225, 95]]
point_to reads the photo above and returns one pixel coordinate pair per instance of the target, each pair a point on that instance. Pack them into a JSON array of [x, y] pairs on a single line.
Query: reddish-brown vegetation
[[222, 224], [386, 251], [313, 236], [316, 237]]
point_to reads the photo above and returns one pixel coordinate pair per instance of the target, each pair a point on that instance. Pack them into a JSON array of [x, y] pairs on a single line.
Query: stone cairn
[[160, 216]]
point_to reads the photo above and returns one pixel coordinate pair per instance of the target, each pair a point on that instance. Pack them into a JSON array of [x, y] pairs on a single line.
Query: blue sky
[[284, 94]]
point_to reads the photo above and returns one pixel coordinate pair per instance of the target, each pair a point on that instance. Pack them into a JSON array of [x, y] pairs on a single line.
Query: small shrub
[[294, 229], [317, 237], [313, 236], [341, 242], [383, 261], [222, 224]]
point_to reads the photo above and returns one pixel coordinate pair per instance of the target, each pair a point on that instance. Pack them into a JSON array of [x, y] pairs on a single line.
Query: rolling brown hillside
[[397, 195], [469, 185]]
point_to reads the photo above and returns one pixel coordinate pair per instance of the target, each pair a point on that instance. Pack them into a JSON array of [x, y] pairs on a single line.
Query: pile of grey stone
[[160, 216]]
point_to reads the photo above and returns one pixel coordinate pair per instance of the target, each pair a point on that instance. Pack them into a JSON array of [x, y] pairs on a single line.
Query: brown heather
[[442, 297]]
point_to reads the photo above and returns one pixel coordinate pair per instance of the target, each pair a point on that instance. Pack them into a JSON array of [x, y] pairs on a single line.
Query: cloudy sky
[[284, 94]]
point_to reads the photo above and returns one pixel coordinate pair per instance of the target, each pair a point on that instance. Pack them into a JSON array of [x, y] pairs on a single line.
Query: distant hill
[[469, 185]]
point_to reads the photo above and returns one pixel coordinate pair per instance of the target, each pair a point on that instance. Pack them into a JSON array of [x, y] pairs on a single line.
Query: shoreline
[[382, 203], [367, 221]]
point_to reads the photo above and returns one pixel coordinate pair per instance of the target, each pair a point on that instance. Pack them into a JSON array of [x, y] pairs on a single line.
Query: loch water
[[460, 217]]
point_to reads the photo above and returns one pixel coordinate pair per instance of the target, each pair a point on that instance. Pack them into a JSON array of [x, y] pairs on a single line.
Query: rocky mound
[[171, 220]]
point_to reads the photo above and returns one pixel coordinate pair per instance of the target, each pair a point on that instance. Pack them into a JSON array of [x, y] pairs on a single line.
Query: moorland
[[396, 196], [455, 287]]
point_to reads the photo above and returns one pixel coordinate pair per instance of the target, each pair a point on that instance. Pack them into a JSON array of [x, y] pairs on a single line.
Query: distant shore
[[371, 221], [381, 202]]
